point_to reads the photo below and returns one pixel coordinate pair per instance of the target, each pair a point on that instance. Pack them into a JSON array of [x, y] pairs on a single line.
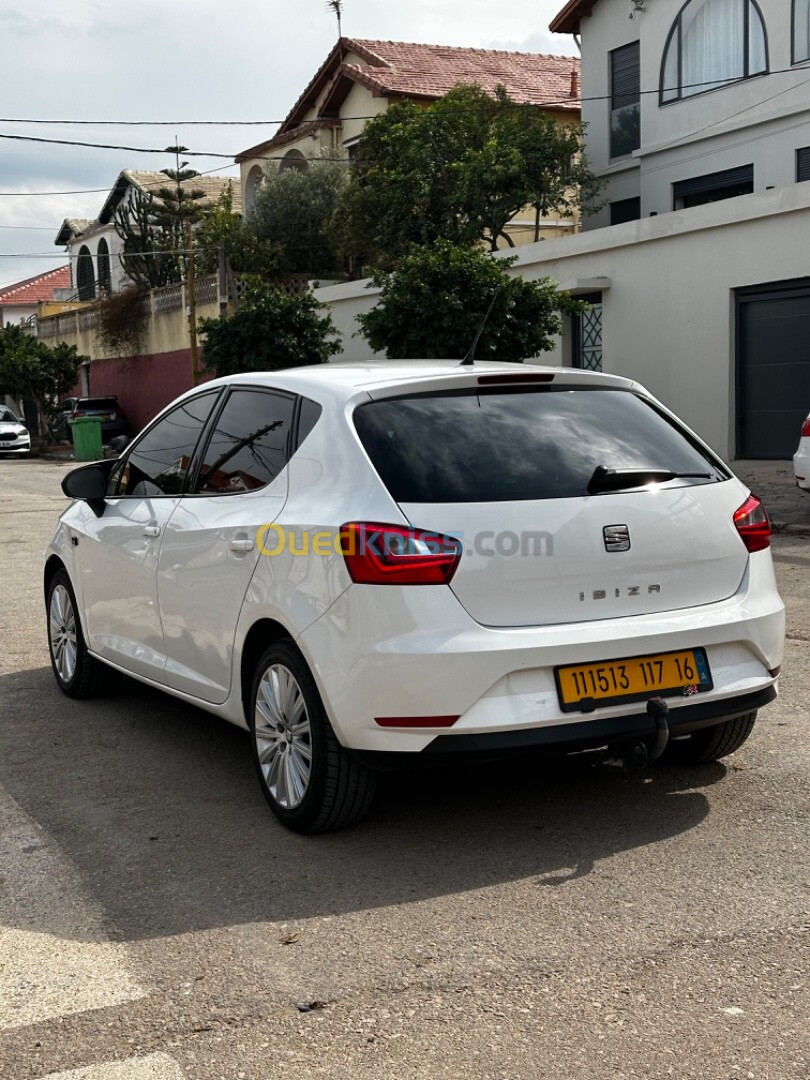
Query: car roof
[[347, 378]]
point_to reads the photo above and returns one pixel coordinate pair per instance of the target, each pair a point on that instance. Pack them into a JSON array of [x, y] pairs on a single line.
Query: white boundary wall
[[668, 295]]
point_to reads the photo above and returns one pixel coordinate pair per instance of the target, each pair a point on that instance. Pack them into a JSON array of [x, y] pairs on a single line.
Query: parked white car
[[801, 459], [366, 564], [14, 435]]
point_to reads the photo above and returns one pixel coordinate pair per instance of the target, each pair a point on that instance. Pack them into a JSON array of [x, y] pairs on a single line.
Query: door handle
[[151, 530], [242, 546]]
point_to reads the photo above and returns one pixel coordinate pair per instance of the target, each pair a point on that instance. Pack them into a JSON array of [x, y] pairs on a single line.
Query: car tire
[[711, 744], [78, 674], [311, 782]]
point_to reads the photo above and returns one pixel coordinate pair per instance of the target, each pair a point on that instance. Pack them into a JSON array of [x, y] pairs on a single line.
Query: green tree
[[30, 369], [180, 202], [433, 303], [152, 246], [459, 170], [295, 212], [154, 226], [219, 228], [270, 330]]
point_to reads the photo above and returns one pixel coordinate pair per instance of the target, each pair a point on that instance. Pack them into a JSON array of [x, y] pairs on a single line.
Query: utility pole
[[192, 304]]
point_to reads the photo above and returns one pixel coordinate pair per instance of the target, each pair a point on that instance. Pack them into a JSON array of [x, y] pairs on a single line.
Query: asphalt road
[[524, 920]]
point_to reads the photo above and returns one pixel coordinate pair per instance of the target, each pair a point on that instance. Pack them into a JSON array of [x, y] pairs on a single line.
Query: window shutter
[[712, 182], [803, 163], [625, 75], [625, 210]]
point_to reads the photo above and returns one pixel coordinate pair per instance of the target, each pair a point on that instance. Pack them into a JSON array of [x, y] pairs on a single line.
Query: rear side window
[[249, 445], [310, 413], [159, 461], [474, 446]]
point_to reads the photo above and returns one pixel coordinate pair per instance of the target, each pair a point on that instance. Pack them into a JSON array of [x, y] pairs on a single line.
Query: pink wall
[[143, 384]]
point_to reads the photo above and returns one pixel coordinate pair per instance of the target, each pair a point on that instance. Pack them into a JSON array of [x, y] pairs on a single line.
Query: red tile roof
[[403, 69], [35, 289], [429, 71]]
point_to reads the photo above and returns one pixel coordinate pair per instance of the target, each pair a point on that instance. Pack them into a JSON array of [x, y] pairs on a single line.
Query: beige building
[[360, 79]]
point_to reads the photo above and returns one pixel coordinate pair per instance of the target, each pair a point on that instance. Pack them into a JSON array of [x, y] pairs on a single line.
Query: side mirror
[[88, 484]]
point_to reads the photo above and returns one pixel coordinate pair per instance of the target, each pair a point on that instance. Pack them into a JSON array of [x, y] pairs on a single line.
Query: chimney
[[574, 83]]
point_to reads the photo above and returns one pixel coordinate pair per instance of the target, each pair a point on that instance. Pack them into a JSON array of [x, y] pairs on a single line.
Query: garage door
[[773, 368]]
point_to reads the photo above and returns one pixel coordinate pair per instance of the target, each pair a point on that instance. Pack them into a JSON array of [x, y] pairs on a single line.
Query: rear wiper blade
[[605, 479]]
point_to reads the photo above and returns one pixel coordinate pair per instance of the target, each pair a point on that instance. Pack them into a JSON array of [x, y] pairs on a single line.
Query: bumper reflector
[[415, 721]]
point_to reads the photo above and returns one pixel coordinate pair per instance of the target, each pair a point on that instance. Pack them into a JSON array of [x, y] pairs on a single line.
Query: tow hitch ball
[[636, 754]]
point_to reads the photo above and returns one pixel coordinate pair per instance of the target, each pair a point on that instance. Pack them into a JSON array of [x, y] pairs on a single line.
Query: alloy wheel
[[283, 736], [63, 633]]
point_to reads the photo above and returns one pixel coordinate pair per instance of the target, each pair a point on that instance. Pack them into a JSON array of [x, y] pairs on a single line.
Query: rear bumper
[[413, 653], [587, 735]]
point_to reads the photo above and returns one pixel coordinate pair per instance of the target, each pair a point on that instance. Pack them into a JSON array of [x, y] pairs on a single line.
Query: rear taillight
[[751, 522], [377, 554], [806, 429], [79, 412], [121, 412]]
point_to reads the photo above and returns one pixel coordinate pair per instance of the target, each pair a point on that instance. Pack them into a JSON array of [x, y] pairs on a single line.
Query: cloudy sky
[[179, 61]]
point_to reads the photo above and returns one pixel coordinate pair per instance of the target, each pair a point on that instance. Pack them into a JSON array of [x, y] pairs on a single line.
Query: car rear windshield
[[108, 403], [476, 446]]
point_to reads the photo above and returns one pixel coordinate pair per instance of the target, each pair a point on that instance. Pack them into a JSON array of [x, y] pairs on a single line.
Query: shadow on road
[[156, 805]]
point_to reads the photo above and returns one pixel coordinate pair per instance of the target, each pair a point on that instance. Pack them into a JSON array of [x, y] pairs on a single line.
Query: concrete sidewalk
[[774, 483]]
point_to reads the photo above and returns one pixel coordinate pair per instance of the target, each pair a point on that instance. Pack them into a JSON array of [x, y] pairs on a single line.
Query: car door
[[117, 553], [209, 551]]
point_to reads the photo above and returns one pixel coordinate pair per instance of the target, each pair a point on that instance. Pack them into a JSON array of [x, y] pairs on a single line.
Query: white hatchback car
[[801, 459], [366, 564]]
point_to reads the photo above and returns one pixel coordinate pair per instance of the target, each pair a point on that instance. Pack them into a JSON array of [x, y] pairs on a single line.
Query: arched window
[[294, 159], [85, 275], [253, 182], [104, 274], [801, 30], [711, 43]]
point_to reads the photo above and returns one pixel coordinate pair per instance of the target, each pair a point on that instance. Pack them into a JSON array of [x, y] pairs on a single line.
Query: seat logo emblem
[[617, 537]]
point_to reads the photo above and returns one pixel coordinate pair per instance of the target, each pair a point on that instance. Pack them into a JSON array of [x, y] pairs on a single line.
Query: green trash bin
[[86, 432]]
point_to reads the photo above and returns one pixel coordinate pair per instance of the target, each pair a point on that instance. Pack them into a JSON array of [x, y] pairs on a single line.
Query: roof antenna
[[469, 359], [337, 7]]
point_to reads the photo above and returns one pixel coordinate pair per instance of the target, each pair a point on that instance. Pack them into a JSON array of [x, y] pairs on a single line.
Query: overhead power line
[[566, 100], [101, 190]]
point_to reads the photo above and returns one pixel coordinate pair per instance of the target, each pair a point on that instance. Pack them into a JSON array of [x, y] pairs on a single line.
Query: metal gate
[[773, 368]]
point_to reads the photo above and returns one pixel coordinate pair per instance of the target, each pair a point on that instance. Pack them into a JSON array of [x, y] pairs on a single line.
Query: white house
[[689, 103], [686, 106], [95, 247]]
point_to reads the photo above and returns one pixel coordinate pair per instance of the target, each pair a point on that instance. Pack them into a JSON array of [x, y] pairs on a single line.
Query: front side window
[[625, 100], [159, 461], [249, 445], [712, 43], [801, 31]]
